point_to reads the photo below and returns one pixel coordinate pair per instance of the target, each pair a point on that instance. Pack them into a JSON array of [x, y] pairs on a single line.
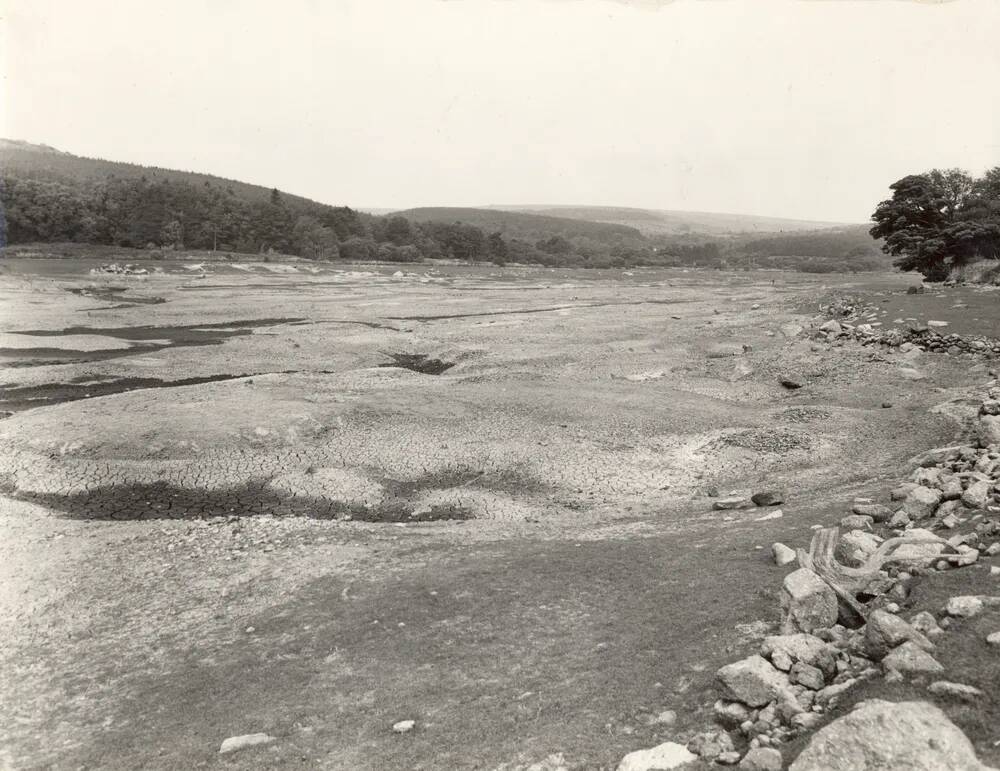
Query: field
[[314, 500]]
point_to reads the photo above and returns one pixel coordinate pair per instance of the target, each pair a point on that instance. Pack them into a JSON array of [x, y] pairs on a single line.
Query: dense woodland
[[941, 221], [51, 197]]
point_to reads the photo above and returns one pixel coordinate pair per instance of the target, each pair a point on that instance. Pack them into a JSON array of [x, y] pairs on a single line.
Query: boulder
[[989, 429], [730, 714], [809, 676], [856, 522], [977, 495], [663, 757], [926, 624], [752, 681], [768, 498], [762, 759], [910, 659], [234, 743], [832, 328], [885, 631], [791, 648], [919, 553], [958, 691], [969, 605], [855, 547], [876, 511], [783, 555], [881, 735], [921, 502], [733, 502], [807, 602], [711, 744]]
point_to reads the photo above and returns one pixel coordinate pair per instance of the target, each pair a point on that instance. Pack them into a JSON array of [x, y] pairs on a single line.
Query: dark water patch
[[27, 397], [160, 500], [418, 362], [44, 357]]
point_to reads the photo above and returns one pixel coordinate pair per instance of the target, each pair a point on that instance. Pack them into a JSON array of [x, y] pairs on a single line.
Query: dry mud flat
[[312, 503]]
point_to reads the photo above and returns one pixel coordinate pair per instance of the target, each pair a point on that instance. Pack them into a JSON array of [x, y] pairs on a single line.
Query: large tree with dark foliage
[[940, 220]]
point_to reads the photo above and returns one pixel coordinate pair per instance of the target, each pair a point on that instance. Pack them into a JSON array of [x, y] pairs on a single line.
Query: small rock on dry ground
[[234, 743], [663, 757]]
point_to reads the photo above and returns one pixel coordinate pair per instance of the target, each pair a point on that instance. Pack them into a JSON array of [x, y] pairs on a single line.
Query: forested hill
[[49, 196]]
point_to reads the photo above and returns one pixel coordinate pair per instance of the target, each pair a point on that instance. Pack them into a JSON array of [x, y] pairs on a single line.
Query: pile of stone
[[915, 336], [114, 268], [796, 677]]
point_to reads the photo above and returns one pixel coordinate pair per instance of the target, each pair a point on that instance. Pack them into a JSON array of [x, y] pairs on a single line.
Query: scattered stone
[[899, 520], [752, 681], [958, 691], [234, 743], [809, 676], [926, 624], [884, 631], [910, 659], [776, 514], [831, 327], [734, 502], [977, 495], [768, 498], [855, 547], [711, 744], [762, 759], [730, 714], [783, 555], [663, 757], [919, 553], [807, 602], [403, 726], [856, 522], [879, 735], [876, 511], [993, 639], [790, 383], [730, 758], [970, 605], [921, 502]]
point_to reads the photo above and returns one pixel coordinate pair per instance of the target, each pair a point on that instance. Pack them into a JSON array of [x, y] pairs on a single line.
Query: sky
[[806, 109]]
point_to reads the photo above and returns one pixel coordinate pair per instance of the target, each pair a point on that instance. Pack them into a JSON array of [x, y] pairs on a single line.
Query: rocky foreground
[[842, 624]]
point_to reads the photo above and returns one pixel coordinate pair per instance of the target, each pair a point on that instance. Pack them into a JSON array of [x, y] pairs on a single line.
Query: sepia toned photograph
[[500, 385]]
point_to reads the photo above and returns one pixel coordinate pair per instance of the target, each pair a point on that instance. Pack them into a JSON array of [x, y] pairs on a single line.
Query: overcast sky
[[801, 109]]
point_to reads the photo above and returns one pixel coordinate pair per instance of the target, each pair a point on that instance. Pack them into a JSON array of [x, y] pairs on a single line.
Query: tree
[[172, 235], [313, 241], [940, 220]]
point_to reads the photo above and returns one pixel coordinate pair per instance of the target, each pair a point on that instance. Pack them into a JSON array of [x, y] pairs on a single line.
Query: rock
[[752, 681], [711, 744], [856, 522], [919, 553], [993, 639], [899, 520], [660, 758], [910, 659], [989, 429], [730, 714], [951, 490], [768, 498], [926, 624], [831, 328], [403, 726], [734, 502], [810, 677], [933, 323], [807, 602], [790, 383], [730, 758], [876, 511], [762, 759], [800, 647], [882, 735], [829, 695], [958, 691], [900, 493], [977, 495], [970, 605], [776, 514], [234, 743], [921, 502], [783, 555], [884, 631], [855, 547]]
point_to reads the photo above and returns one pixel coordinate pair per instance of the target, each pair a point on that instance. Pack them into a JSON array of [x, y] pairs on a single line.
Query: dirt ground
[[227, 509]]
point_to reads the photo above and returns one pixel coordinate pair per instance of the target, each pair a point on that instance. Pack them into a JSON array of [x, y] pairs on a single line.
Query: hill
[[527, 226], [667, 222]]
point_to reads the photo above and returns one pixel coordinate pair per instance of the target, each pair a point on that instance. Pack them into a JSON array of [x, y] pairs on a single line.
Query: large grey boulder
[[977, 494], [856, 546], [762, 759], [910, 659], [989, 429], [752, 681], [919, 553], [884, 736], [807, 602]]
